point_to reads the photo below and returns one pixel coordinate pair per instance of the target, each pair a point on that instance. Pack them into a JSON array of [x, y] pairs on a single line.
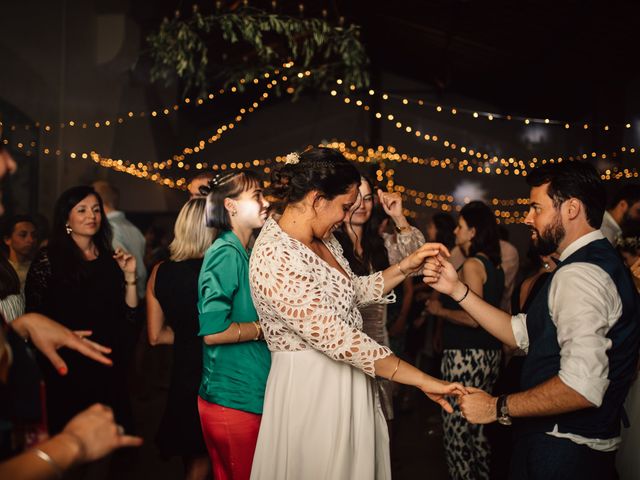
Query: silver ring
[[120, 429]]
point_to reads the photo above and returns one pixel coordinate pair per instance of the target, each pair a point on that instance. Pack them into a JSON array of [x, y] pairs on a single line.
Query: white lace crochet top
[[305, 303]]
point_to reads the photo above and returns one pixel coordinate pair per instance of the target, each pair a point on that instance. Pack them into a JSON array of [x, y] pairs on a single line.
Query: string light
[[477, 114], [162, 111], [482, 160]]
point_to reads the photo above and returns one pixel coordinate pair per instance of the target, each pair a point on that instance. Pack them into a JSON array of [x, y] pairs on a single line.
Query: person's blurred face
[[250, 208], [361, 211], [331, 213], [464, 234], [545, 221], [432, 232], [85, 217], [22, 242], [632, 213]]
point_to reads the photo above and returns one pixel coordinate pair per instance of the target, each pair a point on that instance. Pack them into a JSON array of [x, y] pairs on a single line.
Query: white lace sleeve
[[402, 244], [295, 294], [369, 289]]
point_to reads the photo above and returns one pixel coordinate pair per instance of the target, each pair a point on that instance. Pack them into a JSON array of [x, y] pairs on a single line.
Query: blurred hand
[[126, 261], [436, 390], [7, 164], [391, 203], [97, 433], [417, 259], [441, 275], [48, 336]]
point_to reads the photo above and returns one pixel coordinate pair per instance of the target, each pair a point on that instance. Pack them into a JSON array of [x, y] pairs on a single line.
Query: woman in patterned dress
[[367, 252], [320, 420]]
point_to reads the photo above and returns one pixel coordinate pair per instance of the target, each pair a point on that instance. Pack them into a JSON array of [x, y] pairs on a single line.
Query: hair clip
[[221, 179], [292, 159]]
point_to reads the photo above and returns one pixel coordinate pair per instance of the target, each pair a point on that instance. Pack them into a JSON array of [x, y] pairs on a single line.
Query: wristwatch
[[502, 411], [406, 228]]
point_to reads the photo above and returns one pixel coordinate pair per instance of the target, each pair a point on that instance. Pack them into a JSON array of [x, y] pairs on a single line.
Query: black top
[[94, 302], [460, 337], [176, 289]]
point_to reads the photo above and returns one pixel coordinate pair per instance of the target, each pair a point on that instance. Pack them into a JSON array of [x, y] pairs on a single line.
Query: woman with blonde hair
[[172, 318]]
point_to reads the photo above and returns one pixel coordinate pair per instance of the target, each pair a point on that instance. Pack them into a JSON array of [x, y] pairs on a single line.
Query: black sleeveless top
[[459, 337], [176, 289]]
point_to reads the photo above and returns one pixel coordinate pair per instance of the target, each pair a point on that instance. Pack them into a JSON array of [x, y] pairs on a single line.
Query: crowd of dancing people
[[299, 309]]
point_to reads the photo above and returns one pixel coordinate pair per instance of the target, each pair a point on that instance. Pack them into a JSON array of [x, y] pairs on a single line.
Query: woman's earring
[[233, 213], [68, 229]]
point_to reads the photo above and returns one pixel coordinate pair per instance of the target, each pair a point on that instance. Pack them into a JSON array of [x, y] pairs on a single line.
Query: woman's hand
[[97, 434], [436, 390], [417, 259], [49, 336], [392, 205], [126, 261]]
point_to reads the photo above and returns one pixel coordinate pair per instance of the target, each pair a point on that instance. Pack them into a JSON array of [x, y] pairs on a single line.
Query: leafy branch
[[236, 47]]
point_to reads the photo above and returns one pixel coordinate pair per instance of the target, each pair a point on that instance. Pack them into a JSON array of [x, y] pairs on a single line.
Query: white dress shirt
[[584, 304], [127, 237], [610, 228]]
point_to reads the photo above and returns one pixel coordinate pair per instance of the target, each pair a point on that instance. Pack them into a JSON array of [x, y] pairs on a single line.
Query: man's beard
[[548, 241]]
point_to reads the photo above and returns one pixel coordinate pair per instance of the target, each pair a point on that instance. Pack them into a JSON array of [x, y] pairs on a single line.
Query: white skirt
[[628, 460], [321, 420]]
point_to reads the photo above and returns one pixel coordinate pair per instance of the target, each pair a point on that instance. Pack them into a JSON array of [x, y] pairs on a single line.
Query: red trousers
[[230, 436]]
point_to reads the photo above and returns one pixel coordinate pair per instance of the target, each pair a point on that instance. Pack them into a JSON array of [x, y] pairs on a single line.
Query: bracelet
[[464, 296], [401, 271], [239, 332], [42, 455], [134, 282], [257, 325], [82, 449], [394, 372]]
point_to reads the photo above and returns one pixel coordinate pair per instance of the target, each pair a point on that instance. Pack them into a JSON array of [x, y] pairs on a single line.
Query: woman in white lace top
[[320, 419]]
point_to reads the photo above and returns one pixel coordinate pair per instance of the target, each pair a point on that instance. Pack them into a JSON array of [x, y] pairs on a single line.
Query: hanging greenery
[[224, 48]]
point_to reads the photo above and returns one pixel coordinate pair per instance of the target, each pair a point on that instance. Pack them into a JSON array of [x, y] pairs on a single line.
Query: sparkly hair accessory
[[292, 159], [222, 178]]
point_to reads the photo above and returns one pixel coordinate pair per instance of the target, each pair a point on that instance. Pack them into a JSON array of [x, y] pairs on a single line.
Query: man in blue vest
[[581, 335]]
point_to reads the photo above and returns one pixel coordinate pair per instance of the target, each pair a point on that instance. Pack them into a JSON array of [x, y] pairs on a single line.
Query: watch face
[[506, 420]]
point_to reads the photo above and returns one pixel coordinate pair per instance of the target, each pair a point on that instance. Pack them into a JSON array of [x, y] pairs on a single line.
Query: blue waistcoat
[[543, 359]]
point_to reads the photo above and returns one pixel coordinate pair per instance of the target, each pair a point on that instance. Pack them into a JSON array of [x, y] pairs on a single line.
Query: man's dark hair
[[629, 193], [573, 179]]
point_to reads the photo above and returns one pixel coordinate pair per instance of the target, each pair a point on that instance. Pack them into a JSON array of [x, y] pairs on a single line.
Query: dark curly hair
[[320, 169], [487, 238]]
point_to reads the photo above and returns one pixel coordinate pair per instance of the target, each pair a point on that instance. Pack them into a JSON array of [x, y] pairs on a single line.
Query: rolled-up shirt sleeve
[[585, 304], [520, 333]]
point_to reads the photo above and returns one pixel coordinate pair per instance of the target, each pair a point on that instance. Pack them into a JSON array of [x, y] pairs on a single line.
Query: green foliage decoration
[[233, 48]]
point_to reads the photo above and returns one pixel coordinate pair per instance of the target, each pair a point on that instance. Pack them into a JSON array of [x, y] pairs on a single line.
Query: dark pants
[[540, 456]]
